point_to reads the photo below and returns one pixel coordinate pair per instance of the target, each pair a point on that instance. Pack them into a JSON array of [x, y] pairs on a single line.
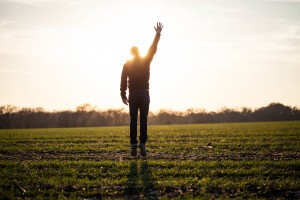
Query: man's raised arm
[[153, 47]]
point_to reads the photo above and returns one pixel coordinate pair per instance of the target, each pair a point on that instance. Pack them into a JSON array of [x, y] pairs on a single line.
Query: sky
[[58, 54]]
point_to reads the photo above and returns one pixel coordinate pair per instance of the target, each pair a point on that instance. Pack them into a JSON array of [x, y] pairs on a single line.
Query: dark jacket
[[137, 71]]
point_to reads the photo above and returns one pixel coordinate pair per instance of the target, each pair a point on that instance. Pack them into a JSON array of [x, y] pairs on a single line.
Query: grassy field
[[241, 160]]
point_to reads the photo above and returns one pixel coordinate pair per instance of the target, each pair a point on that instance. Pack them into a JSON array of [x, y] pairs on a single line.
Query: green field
[[241, 160]]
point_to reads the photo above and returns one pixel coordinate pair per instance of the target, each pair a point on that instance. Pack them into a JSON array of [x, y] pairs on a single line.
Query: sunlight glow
[[61, 54]]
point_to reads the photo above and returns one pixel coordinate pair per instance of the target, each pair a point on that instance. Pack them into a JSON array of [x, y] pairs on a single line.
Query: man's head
[[135, 51]]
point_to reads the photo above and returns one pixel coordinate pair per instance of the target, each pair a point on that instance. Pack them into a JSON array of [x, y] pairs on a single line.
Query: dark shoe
[[133, 151], [143, 151]]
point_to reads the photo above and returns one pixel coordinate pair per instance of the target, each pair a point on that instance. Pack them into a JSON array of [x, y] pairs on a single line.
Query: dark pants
[[138, 100]]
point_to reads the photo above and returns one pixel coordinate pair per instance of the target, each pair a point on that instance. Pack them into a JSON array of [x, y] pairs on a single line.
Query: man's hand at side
[[125, 101], [158, 27]]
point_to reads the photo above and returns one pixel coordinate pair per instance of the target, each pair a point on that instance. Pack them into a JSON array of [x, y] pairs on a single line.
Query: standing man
[[137, 72]]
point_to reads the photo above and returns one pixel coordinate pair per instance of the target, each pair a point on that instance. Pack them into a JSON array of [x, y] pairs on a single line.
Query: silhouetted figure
[[137, 73]]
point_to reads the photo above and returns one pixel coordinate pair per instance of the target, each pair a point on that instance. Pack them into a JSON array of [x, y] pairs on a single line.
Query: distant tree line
[[88, 116]]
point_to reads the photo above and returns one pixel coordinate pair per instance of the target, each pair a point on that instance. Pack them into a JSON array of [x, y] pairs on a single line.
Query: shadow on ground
[[140, 182]]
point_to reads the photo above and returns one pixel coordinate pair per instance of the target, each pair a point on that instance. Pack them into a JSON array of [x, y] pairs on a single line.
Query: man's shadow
[[132, 188], [141, 182]]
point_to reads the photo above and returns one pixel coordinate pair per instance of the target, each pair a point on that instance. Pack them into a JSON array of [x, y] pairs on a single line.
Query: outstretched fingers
[[158, 27]]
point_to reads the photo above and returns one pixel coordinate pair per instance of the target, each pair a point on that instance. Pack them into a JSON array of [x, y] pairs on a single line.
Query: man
[[137, 72]]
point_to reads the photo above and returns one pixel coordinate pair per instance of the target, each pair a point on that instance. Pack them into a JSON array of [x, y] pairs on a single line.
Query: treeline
[[88, 116]]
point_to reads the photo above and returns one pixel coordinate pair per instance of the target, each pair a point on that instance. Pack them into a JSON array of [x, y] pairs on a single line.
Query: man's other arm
[[123, 86]]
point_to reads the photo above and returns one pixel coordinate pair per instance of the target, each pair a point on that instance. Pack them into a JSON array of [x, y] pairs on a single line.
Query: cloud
[[218, 8], [297, 1], [5, 71], [6, 22], [46, 2]]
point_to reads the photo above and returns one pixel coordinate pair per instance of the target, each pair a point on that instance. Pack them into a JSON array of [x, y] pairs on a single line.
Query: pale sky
[[58, 54]]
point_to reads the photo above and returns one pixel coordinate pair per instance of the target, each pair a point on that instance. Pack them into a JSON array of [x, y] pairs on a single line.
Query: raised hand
[[158, 27]]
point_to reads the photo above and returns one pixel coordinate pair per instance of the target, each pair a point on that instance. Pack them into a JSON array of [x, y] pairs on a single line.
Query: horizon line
[[96, 108]]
